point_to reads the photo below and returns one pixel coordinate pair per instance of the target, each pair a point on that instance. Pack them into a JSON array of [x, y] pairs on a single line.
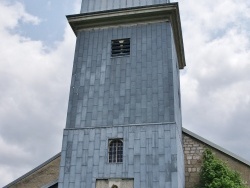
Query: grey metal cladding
[[146, 150], [102, 5], [132, 89]]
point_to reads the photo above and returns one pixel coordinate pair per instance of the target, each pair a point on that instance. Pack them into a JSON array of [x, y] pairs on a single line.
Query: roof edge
[[145, 14], [211, 144], [33, 170]]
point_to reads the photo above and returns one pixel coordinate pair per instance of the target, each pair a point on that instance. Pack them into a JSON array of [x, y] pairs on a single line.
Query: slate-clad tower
[[124, 117]]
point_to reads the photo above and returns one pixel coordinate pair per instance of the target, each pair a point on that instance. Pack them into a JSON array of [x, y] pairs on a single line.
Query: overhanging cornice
[[164, 12]]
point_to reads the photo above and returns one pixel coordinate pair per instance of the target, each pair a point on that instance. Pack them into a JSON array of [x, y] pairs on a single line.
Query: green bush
[[216, 174]]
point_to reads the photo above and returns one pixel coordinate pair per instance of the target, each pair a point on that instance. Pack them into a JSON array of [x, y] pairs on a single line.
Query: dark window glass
[[115, 151], [120, 47]]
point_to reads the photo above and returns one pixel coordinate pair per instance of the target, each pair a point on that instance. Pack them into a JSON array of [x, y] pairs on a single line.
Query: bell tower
[[123, 124]]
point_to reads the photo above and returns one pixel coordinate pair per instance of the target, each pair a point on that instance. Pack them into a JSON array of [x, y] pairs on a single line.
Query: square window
[[120, 47]]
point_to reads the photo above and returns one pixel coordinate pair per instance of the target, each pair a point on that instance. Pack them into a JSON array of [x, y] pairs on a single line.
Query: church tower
[[124, 125]]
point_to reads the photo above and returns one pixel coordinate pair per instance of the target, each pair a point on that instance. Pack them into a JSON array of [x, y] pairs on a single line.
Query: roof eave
[[213, 145], [163, 12]]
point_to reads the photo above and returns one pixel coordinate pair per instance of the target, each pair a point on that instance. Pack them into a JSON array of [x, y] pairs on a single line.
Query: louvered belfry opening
[[120, 47]]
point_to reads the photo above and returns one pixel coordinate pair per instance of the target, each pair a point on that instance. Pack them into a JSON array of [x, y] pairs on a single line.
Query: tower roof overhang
[[163, 12]]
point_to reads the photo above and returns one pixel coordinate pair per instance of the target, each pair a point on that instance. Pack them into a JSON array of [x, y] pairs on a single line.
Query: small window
[[120, 47], [115, 151]]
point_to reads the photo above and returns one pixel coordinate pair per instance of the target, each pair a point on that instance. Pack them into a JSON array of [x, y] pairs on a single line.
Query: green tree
[[216, 174]]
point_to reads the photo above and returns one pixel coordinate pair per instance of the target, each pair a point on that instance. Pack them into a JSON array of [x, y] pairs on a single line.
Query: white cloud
[[12, 13], [34, 92], [216, 82]]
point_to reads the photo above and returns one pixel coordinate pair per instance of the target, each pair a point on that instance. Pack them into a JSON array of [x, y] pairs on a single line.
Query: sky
[[36, 57]]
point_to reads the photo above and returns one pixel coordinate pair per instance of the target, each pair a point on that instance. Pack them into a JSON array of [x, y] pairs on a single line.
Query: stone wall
[[193, 149], [40, 177]]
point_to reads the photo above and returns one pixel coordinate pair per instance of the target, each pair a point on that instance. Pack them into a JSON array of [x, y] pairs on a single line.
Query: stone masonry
[[193, 151], [42, 176]]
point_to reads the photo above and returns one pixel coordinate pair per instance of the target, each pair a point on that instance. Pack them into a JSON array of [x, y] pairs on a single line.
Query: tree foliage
[[216, 174]]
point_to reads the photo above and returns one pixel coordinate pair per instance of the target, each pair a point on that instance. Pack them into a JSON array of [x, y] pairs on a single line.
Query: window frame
[[120, 50], [115, 155]]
